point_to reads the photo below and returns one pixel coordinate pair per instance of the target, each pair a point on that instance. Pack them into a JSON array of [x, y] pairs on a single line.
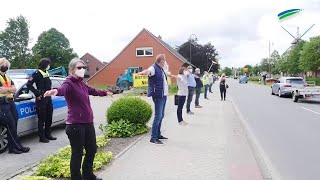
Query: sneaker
[[156, 141], [162, 137], [207, 98], [198, 106], [183, 123], [190, 112]]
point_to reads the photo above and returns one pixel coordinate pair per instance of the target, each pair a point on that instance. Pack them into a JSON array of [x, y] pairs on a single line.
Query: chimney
[[160, 37]]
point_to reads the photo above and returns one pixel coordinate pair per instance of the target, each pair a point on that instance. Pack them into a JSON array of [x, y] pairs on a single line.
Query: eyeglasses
[[81, 67]]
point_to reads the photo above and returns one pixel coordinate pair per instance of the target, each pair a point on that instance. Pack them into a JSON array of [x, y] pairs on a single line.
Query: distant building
[[93, 65]]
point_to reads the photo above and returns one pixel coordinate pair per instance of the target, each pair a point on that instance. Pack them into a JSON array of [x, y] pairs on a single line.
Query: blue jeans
[[159, 107], [206, 87]]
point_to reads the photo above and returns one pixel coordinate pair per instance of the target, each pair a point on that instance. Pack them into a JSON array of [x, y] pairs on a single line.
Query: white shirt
[[165, 82], [182, 85]]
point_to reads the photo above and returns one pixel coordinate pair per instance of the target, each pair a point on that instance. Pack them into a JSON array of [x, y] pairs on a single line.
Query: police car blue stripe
[[28, 109]]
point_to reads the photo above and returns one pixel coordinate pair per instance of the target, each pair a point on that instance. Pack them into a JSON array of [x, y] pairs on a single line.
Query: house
[[93, 64], [140, 52]]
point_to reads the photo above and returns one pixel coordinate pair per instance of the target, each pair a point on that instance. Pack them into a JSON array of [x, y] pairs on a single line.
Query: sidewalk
[[211, 147]]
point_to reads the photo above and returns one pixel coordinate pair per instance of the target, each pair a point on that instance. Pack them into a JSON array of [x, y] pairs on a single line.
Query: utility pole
[[269, 60]]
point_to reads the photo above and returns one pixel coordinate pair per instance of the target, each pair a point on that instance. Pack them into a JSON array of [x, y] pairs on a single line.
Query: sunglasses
[[81, 67]]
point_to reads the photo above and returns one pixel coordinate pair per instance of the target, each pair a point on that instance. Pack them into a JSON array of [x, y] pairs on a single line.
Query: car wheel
[[3, 139], [295, 98], [272, 93], [279, 93]]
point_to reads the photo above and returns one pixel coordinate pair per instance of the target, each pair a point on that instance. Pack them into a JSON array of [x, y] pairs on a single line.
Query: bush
[[317, 80], [254, 78], [58, 164], [134, 110], [123, 128]]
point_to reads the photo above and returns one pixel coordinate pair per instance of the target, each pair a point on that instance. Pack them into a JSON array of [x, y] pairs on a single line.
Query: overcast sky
[[240, 30]]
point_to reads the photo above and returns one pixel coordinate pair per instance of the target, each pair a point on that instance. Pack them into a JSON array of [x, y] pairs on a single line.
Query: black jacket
[[42, 84]]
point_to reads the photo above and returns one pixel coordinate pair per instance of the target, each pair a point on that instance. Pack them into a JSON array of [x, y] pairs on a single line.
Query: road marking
[[310, 110]]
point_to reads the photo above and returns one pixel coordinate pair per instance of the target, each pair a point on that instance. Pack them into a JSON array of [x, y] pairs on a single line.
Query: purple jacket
[[76, 93]]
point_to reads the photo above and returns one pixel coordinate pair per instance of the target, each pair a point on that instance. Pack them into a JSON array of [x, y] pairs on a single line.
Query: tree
[[293, 59], [227, 71], [249, 68], [54, 45], [14, 42], [264, 65], [275, 57], [310, 55], [256, 69], [202, 55]]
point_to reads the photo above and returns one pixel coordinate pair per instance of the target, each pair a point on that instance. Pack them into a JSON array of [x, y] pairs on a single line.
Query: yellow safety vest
[[205, 80], [6, 83], [44, 74]]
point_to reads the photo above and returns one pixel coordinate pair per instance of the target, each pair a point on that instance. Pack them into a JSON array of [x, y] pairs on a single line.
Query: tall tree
[[264, 65], [201, 55], [14, 42], [227, 71], [293, 59], [275, 57], [310, 55], [54, 45], [256, 69]]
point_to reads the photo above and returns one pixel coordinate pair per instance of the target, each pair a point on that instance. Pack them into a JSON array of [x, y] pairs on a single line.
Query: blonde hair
[[4, 61], [72, 64], [223, 75]]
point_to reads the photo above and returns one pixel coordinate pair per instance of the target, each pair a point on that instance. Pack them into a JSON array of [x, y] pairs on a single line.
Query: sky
[[240, 30]]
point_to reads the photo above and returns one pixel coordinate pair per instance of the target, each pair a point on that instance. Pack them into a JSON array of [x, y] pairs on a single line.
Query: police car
[[25, 102]]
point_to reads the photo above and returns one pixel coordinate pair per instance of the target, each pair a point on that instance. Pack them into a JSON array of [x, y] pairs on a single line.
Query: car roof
[[292, 77]]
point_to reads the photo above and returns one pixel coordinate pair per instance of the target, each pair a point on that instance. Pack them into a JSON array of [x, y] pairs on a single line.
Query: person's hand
[[109, 93], [51, 92], [39, 98]]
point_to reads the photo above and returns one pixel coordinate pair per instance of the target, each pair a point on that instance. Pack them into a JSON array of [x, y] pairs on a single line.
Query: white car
[[286, 85], [25, 102]]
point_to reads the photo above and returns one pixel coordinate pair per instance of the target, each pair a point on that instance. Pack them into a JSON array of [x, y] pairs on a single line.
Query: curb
[[20, 171], [267, 170], [130, 146]]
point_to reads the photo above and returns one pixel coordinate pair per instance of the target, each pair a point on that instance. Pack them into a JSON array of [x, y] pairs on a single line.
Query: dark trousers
[[11, 116], [44, 112], [190, 96], [159, 108], [223, 92], [182, 100], [206, 87], [210, 87], [198, 91], [82, 136]]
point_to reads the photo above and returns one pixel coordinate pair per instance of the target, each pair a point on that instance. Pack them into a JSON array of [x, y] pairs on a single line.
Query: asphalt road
[[288, 132], [12, 163]]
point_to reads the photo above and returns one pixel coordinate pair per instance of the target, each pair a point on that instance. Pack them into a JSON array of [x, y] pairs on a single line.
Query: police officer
[[44, 104], [8, 110]]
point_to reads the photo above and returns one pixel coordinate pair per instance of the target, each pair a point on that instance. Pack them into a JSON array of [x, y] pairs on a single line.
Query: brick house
[[93, 64], [141, 52]]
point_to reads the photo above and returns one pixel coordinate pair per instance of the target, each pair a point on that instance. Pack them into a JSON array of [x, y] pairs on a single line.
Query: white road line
[[310, 110]]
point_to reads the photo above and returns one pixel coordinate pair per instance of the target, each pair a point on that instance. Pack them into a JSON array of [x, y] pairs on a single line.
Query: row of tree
[[15, 40], [301, 58]]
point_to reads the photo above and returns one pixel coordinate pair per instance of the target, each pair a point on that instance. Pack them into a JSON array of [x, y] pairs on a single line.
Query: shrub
[[254, 78], [134, 110], [123, 128], [317, 80], [102, 141]]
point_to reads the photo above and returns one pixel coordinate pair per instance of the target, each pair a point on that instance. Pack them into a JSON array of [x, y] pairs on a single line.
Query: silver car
[[285, 85], [25, 102]]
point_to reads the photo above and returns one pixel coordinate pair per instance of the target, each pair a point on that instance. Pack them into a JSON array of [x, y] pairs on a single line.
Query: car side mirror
[[23, 97]]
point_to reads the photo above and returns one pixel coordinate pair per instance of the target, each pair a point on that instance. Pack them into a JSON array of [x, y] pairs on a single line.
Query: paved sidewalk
[[211, 147]]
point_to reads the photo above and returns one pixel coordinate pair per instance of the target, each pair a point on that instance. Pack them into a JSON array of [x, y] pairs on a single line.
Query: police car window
[[25, 90], [61, 81], [55, 83]]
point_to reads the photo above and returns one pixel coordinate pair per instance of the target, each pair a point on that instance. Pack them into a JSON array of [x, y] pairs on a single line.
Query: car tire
[[279, 93], [3, 139], [295, 98], [272, 93]]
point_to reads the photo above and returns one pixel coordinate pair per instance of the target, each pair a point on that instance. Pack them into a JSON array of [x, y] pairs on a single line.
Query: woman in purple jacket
[[79, 125]]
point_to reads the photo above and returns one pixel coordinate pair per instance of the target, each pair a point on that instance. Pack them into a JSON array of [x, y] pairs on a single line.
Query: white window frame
[[144, 51]]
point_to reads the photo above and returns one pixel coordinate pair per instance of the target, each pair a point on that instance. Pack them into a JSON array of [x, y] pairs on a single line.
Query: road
[[289, 133], [11, 163]]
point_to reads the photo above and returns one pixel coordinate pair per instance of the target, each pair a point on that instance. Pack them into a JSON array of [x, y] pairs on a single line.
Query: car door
[[59, 104]]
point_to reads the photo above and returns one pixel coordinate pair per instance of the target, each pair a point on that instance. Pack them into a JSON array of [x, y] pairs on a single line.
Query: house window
[[147, 51]]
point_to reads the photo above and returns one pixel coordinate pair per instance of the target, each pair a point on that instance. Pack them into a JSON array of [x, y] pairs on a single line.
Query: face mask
[[165, 67], [80, 73], [185, 73], [190, 70], [48, 68], [4, 68]]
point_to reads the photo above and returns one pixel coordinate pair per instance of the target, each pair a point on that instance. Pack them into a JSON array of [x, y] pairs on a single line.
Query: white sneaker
[[183, 123]]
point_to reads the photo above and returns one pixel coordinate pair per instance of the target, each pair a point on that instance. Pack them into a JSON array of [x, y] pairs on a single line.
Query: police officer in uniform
[[8, 110], [44, 104]]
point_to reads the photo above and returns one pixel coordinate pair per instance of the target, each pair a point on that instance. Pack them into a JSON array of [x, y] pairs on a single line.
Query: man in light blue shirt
[[191, 85]]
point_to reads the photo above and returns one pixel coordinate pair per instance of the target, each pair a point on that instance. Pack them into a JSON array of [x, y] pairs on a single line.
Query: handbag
[[176, 100], [227, 86]]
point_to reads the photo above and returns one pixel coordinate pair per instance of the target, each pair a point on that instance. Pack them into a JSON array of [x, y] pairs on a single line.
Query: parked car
[[271, 80], [243, 79], [25, 102], [284, 86]]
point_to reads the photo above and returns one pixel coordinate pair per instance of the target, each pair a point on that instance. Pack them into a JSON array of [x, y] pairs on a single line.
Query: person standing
[[206, 82], [191, 87], [79, 125], [211, 81], [223, 89], [8, 109], [43, 104], [182, 92], [157, 89], [199, 85]]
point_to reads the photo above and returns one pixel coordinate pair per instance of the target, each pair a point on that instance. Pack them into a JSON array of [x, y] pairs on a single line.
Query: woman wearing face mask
[[9, 113], [182, 92], [43, 104], [80, 128]]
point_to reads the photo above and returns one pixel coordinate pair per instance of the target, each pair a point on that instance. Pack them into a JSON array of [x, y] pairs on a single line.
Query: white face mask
[[185, 73], [190, 70], [80, 73], [48, 68]]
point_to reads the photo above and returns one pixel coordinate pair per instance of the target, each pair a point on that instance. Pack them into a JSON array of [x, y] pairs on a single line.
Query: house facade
[[93, 65]]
